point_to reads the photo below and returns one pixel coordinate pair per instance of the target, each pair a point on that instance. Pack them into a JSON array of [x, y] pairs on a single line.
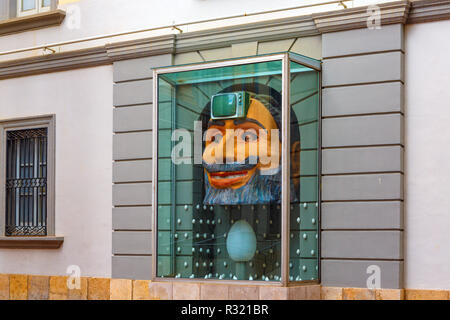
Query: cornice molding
[[35, 21], [54, 62], [141, 48], [391, 13], [429, 10], [356, 18]]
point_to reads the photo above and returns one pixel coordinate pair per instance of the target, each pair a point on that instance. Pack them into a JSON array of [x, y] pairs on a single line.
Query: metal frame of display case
[[285, 57]]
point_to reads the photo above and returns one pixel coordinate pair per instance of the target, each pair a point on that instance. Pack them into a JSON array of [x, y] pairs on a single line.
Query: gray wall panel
[[133, 118], [364, 40], [132, 145], [132, 168], [362, 215], [362, 244], [362, 136], [132, 194], [134, 92], [362, 99], [362, 130], [132, 267], [132, 171], [141, 68], [353, 273], [362, 69], [360, 160], [132, 242], [132, 218], [381, 186]]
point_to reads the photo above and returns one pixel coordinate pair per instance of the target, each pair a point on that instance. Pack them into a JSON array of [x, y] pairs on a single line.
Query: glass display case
[[236, 170]]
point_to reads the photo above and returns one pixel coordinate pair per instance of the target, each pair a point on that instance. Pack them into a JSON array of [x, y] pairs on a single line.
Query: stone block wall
[[35, 287]]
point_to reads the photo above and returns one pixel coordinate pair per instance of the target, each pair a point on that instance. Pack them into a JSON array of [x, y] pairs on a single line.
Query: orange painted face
[[233, 141]]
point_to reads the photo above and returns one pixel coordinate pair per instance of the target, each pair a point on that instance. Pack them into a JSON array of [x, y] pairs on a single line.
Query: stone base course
[[34, 287]]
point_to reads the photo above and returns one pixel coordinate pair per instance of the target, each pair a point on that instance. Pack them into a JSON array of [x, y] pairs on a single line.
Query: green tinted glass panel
[[216, 228], [304, 209], [307, 63], [232, 73]]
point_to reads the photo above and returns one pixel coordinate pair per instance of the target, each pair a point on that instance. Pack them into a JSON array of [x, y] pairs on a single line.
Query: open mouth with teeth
[[226, 179]]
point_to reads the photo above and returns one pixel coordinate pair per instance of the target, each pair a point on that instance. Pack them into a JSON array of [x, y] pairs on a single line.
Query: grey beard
[[260, 189]]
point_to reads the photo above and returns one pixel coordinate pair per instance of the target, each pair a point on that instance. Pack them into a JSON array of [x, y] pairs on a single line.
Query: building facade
[[79, 138]]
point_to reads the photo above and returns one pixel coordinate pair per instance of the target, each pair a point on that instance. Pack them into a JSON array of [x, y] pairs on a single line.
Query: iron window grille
[[26, 182]]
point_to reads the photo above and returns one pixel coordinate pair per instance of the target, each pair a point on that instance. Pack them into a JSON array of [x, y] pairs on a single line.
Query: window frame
[[11, 22], [39, 8], [286, 58], [44, 121]]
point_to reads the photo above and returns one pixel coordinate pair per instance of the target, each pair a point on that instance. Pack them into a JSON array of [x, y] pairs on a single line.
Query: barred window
[[26, 182], [27, 178]]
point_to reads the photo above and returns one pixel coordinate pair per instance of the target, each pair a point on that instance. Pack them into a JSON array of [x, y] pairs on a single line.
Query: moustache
[[247, 164]]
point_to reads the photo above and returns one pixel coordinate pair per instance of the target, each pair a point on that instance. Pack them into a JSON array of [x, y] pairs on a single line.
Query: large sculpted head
[[242, 152]]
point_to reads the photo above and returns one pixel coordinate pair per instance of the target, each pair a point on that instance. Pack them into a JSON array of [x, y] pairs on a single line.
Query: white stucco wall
[[427, 215], [82, 102]]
